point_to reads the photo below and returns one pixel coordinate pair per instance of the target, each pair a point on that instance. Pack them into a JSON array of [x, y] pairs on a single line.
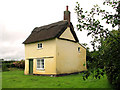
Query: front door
[[30, 66]]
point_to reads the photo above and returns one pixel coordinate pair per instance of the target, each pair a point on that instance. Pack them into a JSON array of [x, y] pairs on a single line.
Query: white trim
[[40, 68], [39, 48]]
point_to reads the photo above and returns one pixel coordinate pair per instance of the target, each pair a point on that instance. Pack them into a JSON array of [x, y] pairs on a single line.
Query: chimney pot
[[66, 8]]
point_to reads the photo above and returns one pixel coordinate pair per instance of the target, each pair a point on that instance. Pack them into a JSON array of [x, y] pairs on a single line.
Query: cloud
[[11, 46], [12, 50]]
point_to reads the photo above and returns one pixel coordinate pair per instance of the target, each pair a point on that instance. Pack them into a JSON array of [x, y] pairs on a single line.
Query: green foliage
[[12, 64], [111, 53], [106, 43], [4, 67], [19, 64]]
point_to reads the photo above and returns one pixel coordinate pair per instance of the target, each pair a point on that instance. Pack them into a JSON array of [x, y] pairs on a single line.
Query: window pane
[[38, 45], [38, 63], [78, 49], [38, 60], [38, 66]]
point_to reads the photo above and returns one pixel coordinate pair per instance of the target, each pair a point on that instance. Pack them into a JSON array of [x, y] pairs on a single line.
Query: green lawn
[[17, 79]]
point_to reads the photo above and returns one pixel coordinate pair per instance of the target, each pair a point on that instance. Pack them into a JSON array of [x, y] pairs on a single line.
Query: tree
[[111, 52], [106, 43]]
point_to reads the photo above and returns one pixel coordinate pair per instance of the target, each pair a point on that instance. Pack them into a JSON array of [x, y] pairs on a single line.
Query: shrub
[[9, 64], [4, 67], [19, 64]]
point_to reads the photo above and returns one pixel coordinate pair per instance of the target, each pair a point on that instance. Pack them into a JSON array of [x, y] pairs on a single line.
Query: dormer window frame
[[39, 46]]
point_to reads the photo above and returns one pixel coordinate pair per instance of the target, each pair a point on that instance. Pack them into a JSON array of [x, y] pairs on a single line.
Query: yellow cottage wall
[[48, 51], [69, 60]]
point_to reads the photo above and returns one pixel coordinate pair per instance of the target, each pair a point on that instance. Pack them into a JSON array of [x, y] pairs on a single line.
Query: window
[[40, 64], [79, 49], [39, 45]]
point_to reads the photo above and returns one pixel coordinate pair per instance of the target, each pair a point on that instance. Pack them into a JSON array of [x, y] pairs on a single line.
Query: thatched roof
[[50, 31]]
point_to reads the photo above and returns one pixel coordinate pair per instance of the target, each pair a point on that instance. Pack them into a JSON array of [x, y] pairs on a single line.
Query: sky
[[19, 17]]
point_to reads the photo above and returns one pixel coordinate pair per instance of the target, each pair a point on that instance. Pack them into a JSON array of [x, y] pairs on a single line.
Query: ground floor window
[[40, 64]]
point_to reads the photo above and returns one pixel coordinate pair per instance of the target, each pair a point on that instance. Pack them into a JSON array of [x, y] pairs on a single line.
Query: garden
[[13, 77]]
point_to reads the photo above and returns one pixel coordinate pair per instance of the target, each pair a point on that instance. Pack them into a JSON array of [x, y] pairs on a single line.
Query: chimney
[[67, 15]]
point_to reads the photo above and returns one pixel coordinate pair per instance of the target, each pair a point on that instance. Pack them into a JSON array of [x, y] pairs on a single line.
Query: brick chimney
[[67, 15]]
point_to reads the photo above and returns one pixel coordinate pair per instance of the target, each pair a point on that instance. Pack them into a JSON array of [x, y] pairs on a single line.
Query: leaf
[[110, 2], [88, 28], [80, 29], [86, 76], [86, 12], [103, 3], [89, 33], [96, 76], [83, 78], [113, 25], [99, 77], [102, 73], [103, 10], [82, 16]]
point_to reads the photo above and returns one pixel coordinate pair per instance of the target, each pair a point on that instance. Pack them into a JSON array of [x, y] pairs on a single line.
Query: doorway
[[30, 66]]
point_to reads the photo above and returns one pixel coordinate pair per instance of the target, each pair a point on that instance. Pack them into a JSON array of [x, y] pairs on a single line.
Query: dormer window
[[40, 45], [79, 49]]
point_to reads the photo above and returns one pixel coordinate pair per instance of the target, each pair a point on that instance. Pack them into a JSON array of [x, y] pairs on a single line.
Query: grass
[[17, 79]]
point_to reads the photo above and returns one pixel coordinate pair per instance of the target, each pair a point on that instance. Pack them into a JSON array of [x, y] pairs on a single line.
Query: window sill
[[40, 69], [39, 48]]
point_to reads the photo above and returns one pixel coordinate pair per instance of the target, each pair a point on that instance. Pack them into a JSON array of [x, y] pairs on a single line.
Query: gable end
[[72, 37]]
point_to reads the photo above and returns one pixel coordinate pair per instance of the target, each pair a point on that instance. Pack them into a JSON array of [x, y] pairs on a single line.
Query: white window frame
[[79, 49], [39, 45], [39, 61]]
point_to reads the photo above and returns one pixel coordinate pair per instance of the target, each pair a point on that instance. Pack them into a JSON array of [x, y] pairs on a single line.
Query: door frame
[[30, 66]]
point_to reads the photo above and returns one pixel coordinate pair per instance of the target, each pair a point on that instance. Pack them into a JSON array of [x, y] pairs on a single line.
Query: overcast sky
[[19, 17]]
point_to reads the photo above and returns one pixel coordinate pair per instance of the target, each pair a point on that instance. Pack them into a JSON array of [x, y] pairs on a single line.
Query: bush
[[8, 64], [4, 67], [19, 64], [13, 64]]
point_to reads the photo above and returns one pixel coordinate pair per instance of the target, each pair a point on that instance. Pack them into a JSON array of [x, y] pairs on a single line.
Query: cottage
[[54, 49]]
